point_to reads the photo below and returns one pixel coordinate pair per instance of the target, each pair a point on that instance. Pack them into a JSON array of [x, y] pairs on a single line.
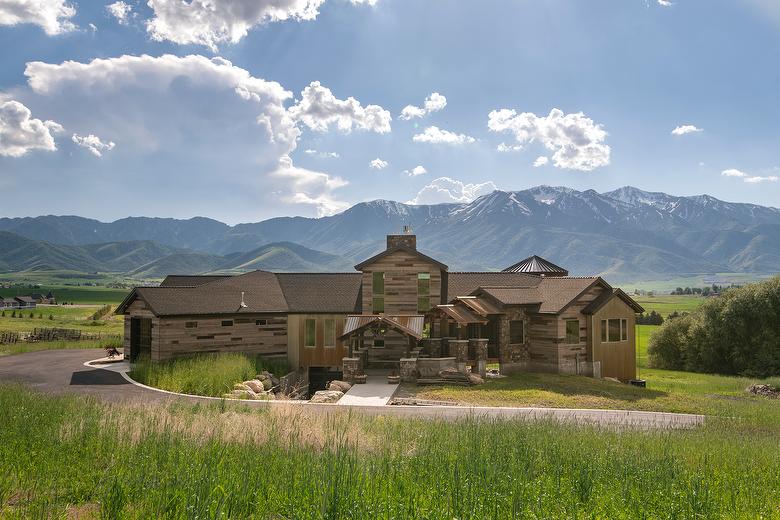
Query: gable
[[400, 253]]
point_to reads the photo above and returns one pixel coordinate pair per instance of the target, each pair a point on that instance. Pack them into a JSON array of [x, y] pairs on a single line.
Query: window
[[378, 292], [330, 333], [423, 292], [227, 323], [379, 337], [604, 331], [261, 322], [623, 330], [614, 330], [310, 333], [572, 331], [516, 332], [191, 324]]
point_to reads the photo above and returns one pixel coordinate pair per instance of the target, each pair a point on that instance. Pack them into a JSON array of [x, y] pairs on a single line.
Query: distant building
[[25, 302], [8, 303]]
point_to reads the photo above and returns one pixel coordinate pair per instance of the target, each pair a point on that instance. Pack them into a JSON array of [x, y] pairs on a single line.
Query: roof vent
[[243, 305]]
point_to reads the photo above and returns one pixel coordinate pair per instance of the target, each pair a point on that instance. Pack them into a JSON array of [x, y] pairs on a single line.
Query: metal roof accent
[[461, 314], [411, 325], [479, 305], [536, 265]]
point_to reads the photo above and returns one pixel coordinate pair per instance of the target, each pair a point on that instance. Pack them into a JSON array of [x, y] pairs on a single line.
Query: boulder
[[339, 386], [326, 396], [764, 391], [255, 385], [475, 379]]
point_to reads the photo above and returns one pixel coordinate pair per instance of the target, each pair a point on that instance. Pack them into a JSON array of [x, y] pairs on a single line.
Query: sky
[[244, 110]]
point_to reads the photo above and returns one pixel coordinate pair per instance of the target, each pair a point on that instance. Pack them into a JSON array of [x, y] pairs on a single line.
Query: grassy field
[[63, 316], [69, 294], [665, 304], [86, 459], [693, 280], [23, 347]]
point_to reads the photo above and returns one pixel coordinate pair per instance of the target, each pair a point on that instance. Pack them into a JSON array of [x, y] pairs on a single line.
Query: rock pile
[[326, 396], [262, 388], [339, 386], [764, 391], [452, 376]]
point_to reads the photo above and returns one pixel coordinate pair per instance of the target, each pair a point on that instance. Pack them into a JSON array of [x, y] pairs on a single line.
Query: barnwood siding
[[139, 309], [401, 269], [320, 355], [618, 359], [174, 339], [543, 342], [570, 354]]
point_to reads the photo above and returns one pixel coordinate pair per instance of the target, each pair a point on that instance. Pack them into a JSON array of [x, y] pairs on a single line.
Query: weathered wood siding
[[618, 359], [570, 355], [138, 309], [301, 356], [542, 343], [401, 269]]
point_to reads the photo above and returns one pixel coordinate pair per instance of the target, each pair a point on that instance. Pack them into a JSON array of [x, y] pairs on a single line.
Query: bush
[[736, 333]]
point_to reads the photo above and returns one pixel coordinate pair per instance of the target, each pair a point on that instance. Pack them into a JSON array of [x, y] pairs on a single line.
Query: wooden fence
[[55, 335]]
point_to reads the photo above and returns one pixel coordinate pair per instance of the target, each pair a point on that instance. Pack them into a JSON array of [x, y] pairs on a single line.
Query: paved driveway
[[63, 371]]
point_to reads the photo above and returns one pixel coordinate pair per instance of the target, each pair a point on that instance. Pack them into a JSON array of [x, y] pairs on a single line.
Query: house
[[400, 304], [47, 299], [8, 303], [25, 302]]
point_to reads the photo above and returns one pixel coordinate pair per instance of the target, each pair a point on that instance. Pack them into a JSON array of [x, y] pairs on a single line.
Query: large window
[[423, 292], [572, 331], [614, 330], [378, 292], [310, 333], [516, 332], [329, 333]]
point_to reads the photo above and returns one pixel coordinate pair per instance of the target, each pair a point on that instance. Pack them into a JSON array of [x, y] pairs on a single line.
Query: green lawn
[[666, 304], [76, 457], [69, 294], [64, 316]]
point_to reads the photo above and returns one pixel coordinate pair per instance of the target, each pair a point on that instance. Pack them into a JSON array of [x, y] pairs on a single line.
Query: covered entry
[[394, 336], [140, 338]]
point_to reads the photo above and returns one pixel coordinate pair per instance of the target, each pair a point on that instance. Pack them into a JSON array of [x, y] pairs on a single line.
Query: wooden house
[[399, 304]]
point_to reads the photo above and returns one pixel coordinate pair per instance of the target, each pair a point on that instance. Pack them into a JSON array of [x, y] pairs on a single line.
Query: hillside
[[622, 233]]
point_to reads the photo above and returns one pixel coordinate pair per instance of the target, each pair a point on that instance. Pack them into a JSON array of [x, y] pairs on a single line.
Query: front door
[[140, 338]]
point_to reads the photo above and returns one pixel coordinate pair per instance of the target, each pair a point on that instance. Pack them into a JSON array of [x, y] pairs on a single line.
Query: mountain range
[[622, 233]]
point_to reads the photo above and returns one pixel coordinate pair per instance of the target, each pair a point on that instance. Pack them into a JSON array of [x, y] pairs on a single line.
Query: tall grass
[[22, 346], [66, 454], [204, 374]]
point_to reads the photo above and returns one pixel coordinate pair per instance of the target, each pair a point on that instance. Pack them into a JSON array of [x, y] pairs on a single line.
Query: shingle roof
[[558, 293], [536, 265], [599, 302], [322, 292], [463, 284], [179, 280], [394, 249], [25, 299], [514, 295]]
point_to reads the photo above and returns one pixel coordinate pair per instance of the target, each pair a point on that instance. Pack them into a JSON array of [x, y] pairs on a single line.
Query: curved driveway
[[63, 371]]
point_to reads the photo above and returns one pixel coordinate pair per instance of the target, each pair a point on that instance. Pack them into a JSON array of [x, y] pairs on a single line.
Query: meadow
[[72, 294], [90, 459], [61, 316]]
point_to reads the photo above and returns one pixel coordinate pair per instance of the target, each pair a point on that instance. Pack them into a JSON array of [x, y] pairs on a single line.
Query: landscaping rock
[[326, 396], [475, 379], [256, 386], [764, 391], [339, 386]]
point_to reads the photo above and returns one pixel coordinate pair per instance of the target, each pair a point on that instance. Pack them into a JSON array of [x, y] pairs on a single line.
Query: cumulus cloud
[[318, 109], [750, 179], [686, 129], [324, 155], [53, 16], [120, 10], [503, 147], [21, 133], [541, 161], [417, 170], [378, 164], [93, 143], [577, 141], [433, 103], [212, 22], [436, 135], [310, 187], [445, 189]]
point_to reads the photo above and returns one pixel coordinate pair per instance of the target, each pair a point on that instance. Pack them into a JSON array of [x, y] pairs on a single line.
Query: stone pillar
[[408, 369], [459, 349], [481, 350], [445, 347], [352, 368], [433, 347]]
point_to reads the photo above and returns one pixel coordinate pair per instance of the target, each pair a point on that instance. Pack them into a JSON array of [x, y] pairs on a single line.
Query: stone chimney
[[405, 239]]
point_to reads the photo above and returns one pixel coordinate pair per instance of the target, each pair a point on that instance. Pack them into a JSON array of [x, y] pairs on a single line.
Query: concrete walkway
[[375, 392]]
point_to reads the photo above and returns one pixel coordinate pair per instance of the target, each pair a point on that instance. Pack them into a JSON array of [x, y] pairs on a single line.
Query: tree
[[13, 314], [51, 316]]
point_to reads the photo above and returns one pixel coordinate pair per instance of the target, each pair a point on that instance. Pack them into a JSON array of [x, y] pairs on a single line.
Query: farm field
[[62, 316], [71, 294], [665, 304]]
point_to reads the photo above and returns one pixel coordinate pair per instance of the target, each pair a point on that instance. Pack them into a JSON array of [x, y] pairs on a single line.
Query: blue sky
[[207, 113]]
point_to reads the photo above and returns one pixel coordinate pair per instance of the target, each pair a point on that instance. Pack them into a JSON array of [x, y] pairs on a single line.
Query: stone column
[[445, 347], [433, 347], [481, 350], [408, 369], [459, 349], [352, 368]]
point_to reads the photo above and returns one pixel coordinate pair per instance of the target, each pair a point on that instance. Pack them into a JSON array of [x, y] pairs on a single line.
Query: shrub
[[736, 333]]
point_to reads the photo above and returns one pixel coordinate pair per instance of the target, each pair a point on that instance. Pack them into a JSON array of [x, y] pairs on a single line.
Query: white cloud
[[92, 27], [436, 135], [93, 143], [120, 10], [577, 141], [20, 133], [324, 155], [53, 16], [750, 179], [310, 187], [417, 170], [319, 109], [445, 189], [665, 3], [378, 164], [686, 129], [503, 147], [212, 22], [541, 161], [433, 103]]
